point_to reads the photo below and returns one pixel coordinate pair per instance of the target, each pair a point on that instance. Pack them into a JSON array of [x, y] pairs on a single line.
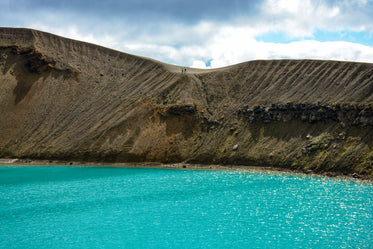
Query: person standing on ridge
[[182, 70]]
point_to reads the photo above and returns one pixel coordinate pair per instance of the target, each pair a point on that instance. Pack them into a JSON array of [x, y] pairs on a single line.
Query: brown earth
[[62, 99]]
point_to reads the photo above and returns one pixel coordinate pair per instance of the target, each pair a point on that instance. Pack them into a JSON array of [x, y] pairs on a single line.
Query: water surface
[[87, 207]]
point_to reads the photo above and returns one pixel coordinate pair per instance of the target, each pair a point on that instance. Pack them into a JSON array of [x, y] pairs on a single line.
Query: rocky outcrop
[[345, 114], [36, 61]]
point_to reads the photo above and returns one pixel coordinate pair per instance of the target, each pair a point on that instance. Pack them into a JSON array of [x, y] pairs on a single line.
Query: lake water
[[87, 207]]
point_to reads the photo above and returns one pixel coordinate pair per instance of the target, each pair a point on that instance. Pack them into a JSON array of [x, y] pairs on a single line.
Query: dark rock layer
[[359, 115]]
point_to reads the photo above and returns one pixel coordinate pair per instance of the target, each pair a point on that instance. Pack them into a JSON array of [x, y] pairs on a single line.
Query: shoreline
[[183, 166]]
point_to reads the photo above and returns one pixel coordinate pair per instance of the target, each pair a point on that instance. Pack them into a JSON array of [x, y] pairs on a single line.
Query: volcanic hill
[[71, 100]]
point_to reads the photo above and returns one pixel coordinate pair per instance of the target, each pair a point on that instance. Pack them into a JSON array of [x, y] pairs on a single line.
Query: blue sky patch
[[348, 36], [363, 38], [208, 63]]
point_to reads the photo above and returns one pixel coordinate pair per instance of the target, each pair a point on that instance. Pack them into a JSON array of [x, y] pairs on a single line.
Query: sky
[[207, 34]]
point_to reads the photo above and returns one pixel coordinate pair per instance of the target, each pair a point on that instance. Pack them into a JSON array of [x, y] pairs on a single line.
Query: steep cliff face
[[66, 99]]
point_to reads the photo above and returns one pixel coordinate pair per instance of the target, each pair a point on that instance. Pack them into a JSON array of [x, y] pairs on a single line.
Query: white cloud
[[299, 18], [227, 43], [344, 51], [198, 64]]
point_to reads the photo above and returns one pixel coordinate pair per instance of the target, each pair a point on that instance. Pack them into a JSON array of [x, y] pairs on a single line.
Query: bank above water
[[62, 99]]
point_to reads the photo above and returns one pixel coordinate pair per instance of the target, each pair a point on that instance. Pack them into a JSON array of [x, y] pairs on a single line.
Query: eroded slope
[[66, 99]]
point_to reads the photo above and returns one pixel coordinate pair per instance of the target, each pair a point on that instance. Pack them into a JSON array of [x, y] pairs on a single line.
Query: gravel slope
[[66, 99]]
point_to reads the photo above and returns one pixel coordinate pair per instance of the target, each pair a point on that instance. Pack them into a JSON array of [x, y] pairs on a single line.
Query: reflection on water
[[86, 207]]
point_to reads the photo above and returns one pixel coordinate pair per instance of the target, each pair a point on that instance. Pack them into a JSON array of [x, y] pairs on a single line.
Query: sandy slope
[[67, 99]]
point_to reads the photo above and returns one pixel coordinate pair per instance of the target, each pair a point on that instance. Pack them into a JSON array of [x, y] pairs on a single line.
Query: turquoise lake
[[88, 207]]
